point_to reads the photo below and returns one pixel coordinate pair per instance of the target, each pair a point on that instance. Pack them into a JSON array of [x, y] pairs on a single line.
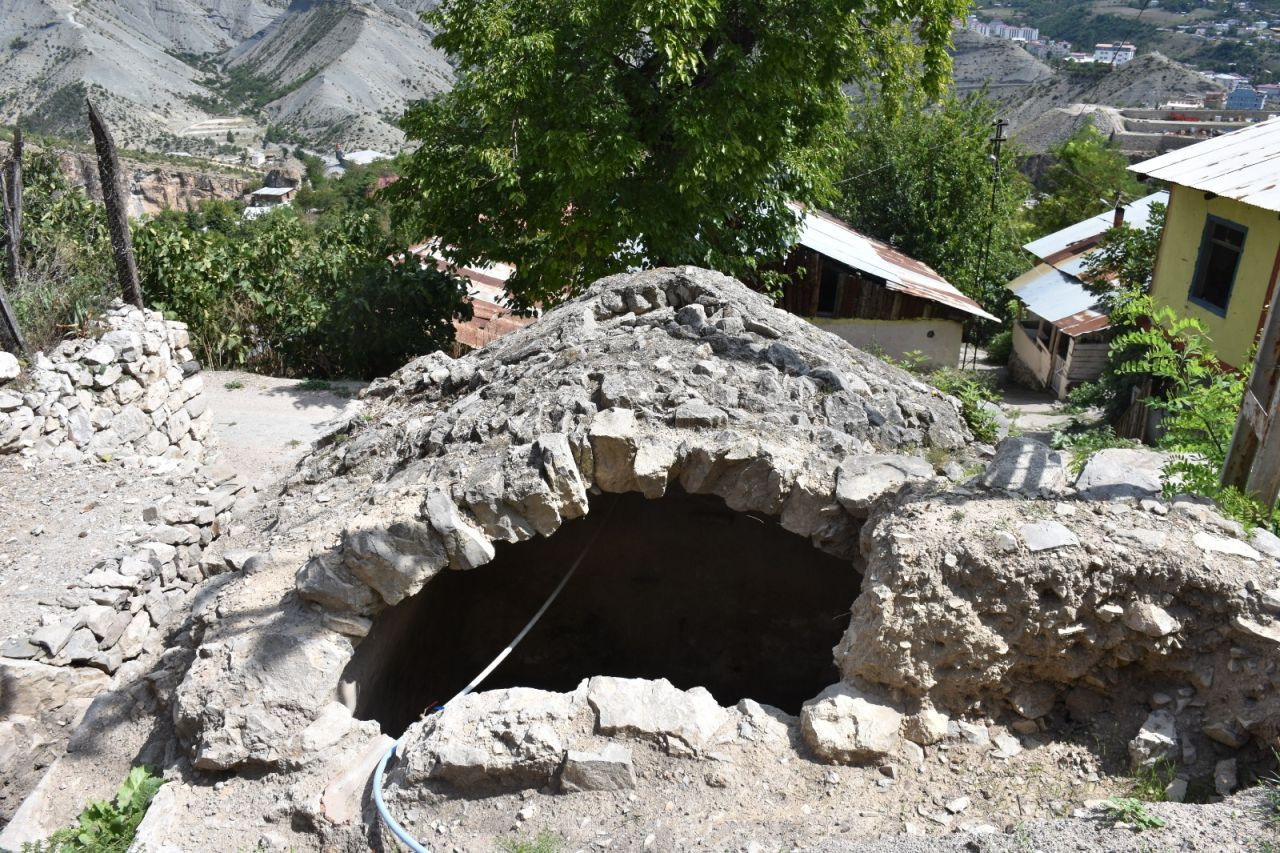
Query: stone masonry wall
[[134, 391]]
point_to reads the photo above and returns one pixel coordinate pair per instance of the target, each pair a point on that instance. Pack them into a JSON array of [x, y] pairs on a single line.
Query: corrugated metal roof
[[1136, 214], [829, 236], [1243, 165], [274, 191], [1059, 298]]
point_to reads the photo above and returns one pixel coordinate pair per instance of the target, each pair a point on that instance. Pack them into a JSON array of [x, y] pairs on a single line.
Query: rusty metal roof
[[1061, 299], [828, 236], [490, 319], [1243, 165], [1085, 235]]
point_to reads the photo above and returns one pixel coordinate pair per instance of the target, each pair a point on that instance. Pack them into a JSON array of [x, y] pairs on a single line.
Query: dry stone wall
[[135, 390]]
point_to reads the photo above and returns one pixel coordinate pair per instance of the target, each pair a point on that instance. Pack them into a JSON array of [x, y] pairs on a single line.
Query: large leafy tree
[[1087, 176], [584, 137], [921, 179]]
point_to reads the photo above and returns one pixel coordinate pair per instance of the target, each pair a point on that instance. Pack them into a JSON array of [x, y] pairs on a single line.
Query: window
[[1220, 251]]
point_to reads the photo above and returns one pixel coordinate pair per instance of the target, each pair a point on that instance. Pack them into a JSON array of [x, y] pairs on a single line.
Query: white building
[[1114, 54]]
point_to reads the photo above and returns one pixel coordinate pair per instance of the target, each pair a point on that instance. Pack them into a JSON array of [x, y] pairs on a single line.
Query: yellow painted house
[[1220, 249]]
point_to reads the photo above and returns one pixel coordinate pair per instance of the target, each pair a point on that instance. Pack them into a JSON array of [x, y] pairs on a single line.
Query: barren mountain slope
[[998, 64], [1149, 80], [348, 67], [356, 64]]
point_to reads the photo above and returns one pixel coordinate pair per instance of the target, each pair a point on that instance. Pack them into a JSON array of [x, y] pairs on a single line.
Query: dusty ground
[[59, 520], [265, 424]]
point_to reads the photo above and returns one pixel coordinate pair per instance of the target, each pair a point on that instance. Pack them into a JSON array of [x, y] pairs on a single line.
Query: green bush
[[1000, 347], [106, 826], [974, 391]]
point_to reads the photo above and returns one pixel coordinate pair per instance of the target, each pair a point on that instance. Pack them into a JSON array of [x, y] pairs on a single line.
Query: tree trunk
[[11, 202], [117, 218]]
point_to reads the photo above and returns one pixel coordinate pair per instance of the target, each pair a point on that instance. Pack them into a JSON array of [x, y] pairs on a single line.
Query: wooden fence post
[[117, 216], [1253, 462], [11, 202]]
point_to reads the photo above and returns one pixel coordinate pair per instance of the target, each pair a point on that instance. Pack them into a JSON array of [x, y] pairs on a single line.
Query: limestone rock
[[33, 689], [607, 770], [681, 720], [843, 725], [9, 367], [1120, 472], [1156, 741], [1047, 535], [861, 480], [1150, 619], [498, 738], [1026, 466]]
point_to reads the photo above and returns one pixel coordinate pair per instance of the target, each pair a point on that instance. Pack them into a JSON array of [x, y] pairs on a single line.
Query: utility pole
[[997, 141], [1253, 461]]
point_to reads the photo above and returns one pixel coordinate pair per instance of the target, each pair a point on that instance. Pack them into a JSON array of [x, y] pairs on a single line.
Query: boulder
[[1156, 741], [1028, 467], [1120, 472], [607, 770], [683, 721], [861, 480], [9, 367], [843, 725]]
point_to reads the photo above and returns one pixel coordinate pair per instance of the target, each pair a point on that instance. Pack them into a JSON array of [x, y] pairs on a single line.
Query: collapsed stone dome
[[680, 383]]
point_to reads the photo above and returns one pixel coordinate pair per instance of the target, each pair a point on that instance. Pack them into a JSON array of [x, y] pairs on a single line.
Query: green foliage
[[65, 254], [974, 390], [546, 842], [920, 179], [106, 826], [1150, 782], [584, 137], [1086, 177], [1085, 443], [278, 295], [1125, 256], [1000, 347], [1133, 812], [975, 393]]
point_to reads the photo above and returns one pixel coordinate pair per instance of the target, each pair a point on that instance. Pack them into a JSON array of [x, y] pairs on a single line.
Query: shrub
[[1000, 347], [106, 826], [975, 393]]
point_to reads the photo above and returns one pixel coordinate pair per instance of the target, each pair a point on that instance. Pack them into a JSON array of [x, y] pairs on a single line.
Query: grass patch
[[1150, 783], [546, 842], [1132, 812], [314, 385], [233, 385]]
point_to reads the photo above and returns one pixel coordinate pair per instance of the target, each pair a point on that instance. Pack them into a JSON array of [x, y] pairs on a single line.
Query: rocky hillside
[[998, 64], [1150, 80], [329, 70]]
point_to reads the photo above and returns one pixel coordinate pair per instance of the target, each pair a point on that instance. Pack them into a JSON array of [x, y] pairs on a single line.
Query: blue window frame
[[1220, 249]]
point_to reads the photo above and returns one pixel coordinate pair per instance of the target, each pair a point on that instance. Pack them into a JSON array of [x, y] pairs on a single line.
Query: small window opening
[[1219, 260]]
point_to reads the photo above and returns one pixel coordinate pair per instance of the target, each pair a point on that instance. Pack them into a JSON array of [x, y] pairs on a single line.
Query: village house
[[1063, 336], [486, 292], [872, 295], [1220, 250]]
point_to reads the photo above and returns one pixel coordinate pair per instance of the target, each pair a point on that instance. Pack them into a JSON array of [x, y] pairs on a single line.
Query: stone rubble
[[996, 612], [135, 391]]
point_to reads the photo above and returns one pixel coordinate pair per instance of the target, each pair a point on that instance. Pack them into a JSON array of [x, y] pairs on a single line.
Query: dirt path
[[265, 424], [58, 520]]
